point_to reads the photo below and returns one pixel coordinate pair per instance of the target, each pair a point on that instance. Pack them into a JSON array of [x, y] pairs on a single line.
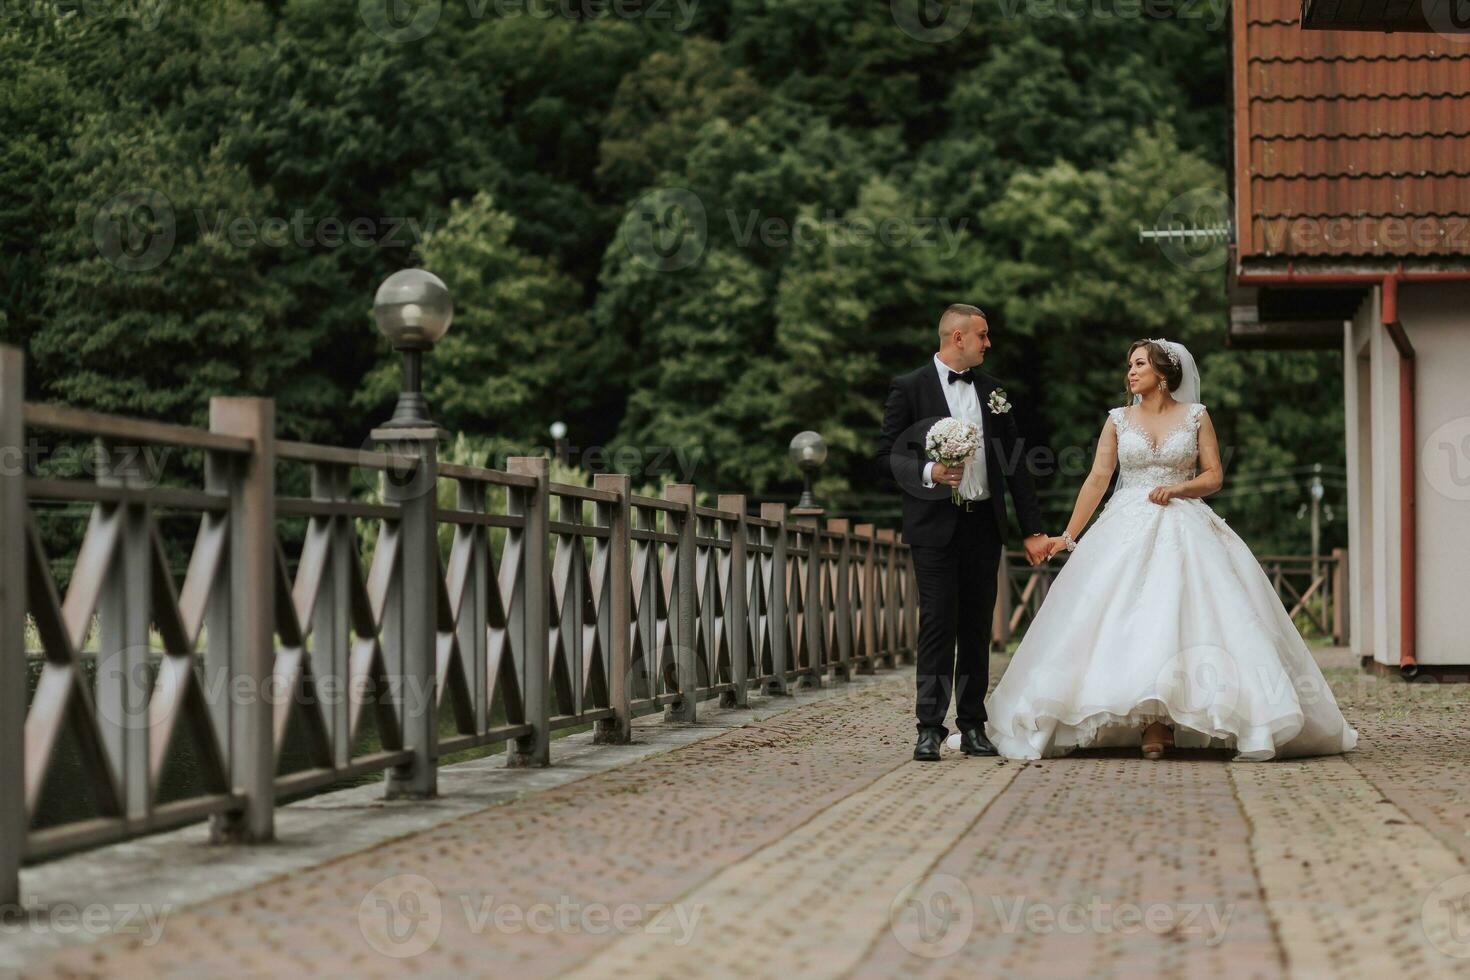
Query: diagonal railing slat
[[281, 630]]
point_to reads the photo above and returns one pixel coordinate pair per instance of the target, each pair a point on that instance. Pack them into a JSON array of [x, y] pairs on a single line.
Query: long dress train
[[1163, 613]]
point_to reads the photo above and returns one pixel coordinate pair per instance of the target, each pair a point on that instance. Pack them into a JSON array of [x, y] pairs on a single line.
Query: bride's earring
[[1164, 387]]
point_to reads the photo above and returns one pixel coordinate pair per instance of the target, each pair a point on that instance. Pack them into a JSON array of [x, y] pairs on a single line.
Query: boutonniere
[[998, 403]]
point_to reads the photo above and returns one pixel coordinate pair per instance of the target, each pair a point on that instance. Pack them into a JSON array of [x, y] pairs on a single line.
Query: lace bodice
[[1143, 465]]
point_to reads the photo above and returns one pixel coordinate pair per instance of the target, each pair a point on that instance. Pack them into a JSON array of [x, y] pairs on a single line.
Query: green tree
[[147, 312]]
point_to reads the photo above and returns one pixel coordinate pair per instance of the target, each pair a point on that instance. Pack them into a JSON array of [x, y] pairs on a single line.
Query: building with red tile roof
[[1350, 180]]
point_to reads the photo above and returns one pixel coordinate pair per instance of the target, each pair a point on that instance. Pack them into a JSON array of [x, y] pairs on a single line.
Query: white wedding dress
[[1162, 613]]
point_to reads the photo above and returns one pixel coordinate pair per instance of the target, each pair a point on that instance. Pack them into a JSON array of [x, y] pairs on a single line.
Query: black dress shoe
[[974, 742], [926, 749]]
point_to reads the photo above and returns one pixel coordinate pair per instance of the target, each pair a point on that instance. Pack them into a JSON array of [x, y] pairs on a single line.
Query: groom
[[956, 547]]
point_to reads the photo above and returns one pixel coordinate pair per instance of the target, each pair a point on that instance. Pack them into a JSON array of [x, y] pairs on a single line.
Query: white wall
[[1437, 318], [1371, 421]]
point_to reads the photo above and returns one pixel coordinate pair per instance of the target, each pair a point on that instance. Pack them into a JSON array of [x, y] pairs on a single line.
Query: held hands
[[948, 476], [1038, 549], [1041, 547], [1162, 495]]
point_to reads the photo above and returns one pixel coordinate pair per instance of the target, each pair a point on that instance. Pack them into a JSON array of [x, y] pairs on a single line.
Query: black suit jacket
[[915, 402]]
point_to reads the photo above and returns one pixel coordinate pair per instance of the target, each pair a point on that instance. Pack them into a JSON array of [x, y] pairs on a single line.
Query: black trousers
[[957, 586]]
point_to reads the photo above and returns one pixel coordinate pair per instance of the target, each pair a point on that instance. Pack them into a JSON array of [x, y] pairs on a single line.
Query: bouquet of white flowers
[[952, 441]]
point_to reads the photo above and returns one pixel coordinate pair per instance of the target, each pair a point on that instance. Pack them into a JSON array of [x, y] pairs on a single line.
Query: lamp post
[[558, 434], [808, 452], [413, 310]]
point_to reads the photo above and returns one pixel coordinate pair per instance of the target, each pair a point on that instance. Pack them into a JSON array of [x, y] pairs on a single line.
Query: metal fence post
[[533, 605], [616, 626], [811, 606], [1000, 627], [737, 604], [891, 608], [681, 617], [776, 584], [124, 615], [12, 623], [248, 650], [842, 618], [332, 618], [412, 482], [866, 652]]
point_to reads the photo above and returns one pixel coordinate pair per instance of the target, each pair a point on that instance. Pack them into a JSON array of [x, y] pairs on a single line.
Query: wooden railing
[[1314, 593], [363, 626]]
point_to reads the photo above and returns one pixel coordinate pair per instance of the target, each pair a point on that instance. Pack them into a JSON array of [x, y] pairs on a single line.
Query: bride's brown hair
[[1158, 358]]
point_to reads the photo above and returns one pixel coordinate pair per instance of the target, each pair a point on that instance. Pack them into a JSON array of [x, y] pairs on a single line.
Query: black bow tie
[[964, 376]]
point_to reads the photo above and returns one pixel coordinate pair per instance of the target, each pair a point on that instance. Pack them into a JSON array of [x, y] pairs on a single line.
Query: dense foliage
[[700, 225]]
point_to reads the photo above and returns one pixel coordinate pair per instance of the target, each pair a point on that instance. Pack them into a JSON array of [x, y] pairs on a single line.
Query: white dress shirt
[[964, 403]]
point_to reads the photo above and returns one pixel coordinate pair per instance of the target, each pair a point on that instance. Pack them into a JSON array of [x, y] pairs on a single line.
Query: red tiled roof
[[1348, 143]]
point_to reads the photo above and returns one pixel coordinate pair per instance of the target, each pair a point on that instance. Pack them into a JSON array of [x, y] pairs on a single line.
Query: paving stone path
[[806, 844]]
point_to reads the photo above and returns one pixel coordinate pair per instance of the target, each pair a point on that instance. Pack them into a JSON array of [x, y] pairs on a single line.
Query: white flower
[[998, 403], [951, 441]]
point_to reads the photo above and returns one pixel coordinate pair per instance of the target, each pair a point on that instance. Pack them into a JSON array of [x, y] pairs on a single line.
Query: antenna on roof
[[1181, 232]]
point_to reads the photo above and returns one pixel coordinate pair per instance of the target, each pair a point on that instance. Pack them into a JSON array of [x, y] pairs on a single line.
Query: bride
[[1161, 629]]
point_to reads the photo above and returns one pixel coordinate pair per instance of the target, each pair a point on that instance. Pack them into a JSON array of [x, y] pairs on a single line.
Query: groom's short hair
[[956, 314]]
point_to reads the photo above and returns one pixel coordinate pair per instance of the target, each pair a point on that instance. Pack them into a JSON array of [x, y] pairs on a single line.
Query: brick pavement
[[807, 845]]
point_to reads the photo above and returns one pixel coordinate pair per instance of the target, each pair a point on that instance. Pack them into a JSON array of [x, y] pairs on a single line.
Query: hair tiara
[[1167, 348]]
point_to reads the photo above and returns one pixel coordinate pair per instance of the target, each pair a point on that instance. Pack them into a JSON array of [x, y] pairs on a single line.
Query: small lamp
[[413, 309], [808, 452]]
